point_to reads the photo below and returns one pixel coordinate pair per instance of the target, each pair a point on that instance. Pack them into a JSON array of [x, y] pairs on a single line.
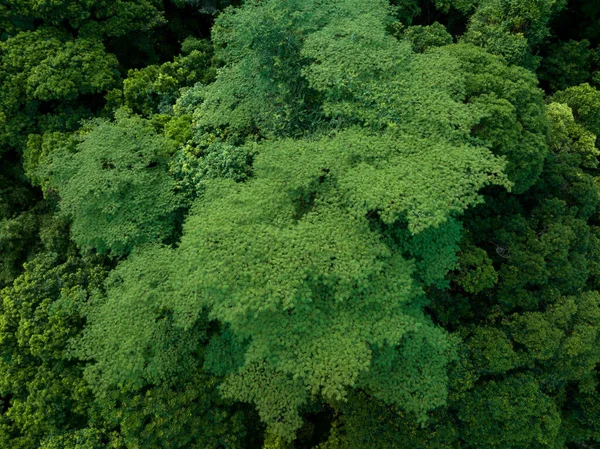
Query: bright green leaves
[[377, 82], [310, 291], [52, 69], [49, 404], [147, 373], [87, 438], [569, 139], [412, 376], [260, 90], [37, 157], [343, 70], [193, 166], [314, 265], [290, 260], [348, 58], [335, 164], [44, 392], [92, 70], [116, 187], [386, 173], [584, 100], [354, 73], [131, 336], [277, 396]]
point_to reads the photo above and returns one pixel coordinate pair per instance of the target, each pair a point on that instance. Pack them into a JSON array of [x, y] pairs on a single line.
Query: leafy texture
[[280, 224], [116, 187], [316, 263]]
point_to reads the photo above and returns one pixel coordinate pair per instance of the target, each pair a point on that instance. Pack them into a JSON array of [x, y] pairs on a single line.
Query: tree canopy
[[303, 224]]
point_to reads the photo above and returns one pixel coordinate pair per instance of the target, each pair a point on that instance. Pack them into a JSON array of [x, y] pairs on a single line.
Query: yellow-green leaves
[[49, 66], [570, 138]]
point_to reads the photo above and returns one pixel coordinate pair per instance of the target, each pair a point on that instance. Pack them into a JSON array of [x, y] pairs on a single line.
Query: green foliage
[[154, 89], [476, 271], [570, 140], [42, 74], [567, 64], [533, 330], [584, 100], [392, 91], [562, 340], [513, 122], [147, 376], [14, 194], [492, 352], [187, 416], [194, 166], [464, 6], [116, 188], [314, 265], [18, 238], [364, 422], [517, 415], [44, 392], [362, 75], [18, 225], [512, 28], [88, 438], [263, 40], [581, 418], [37, 157], [130, 333], [295, 242], [108, 17], [406, 10], [208, 6], [424, 37], [391, 240]]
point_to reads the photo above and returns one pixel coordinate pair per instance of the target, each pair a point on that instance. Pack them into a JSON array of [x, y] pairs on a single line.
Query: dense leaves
[[116, 188], [299, 224]]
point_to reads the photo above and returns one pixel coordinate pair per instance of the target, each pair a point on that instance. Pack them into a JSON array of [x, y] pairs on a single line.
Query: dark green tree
[[43, 392], [512, 29]]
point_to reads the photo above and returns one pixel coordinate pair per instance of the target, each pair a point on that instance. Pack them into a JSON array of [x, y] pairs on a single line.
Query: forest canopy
[[277, 224]]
